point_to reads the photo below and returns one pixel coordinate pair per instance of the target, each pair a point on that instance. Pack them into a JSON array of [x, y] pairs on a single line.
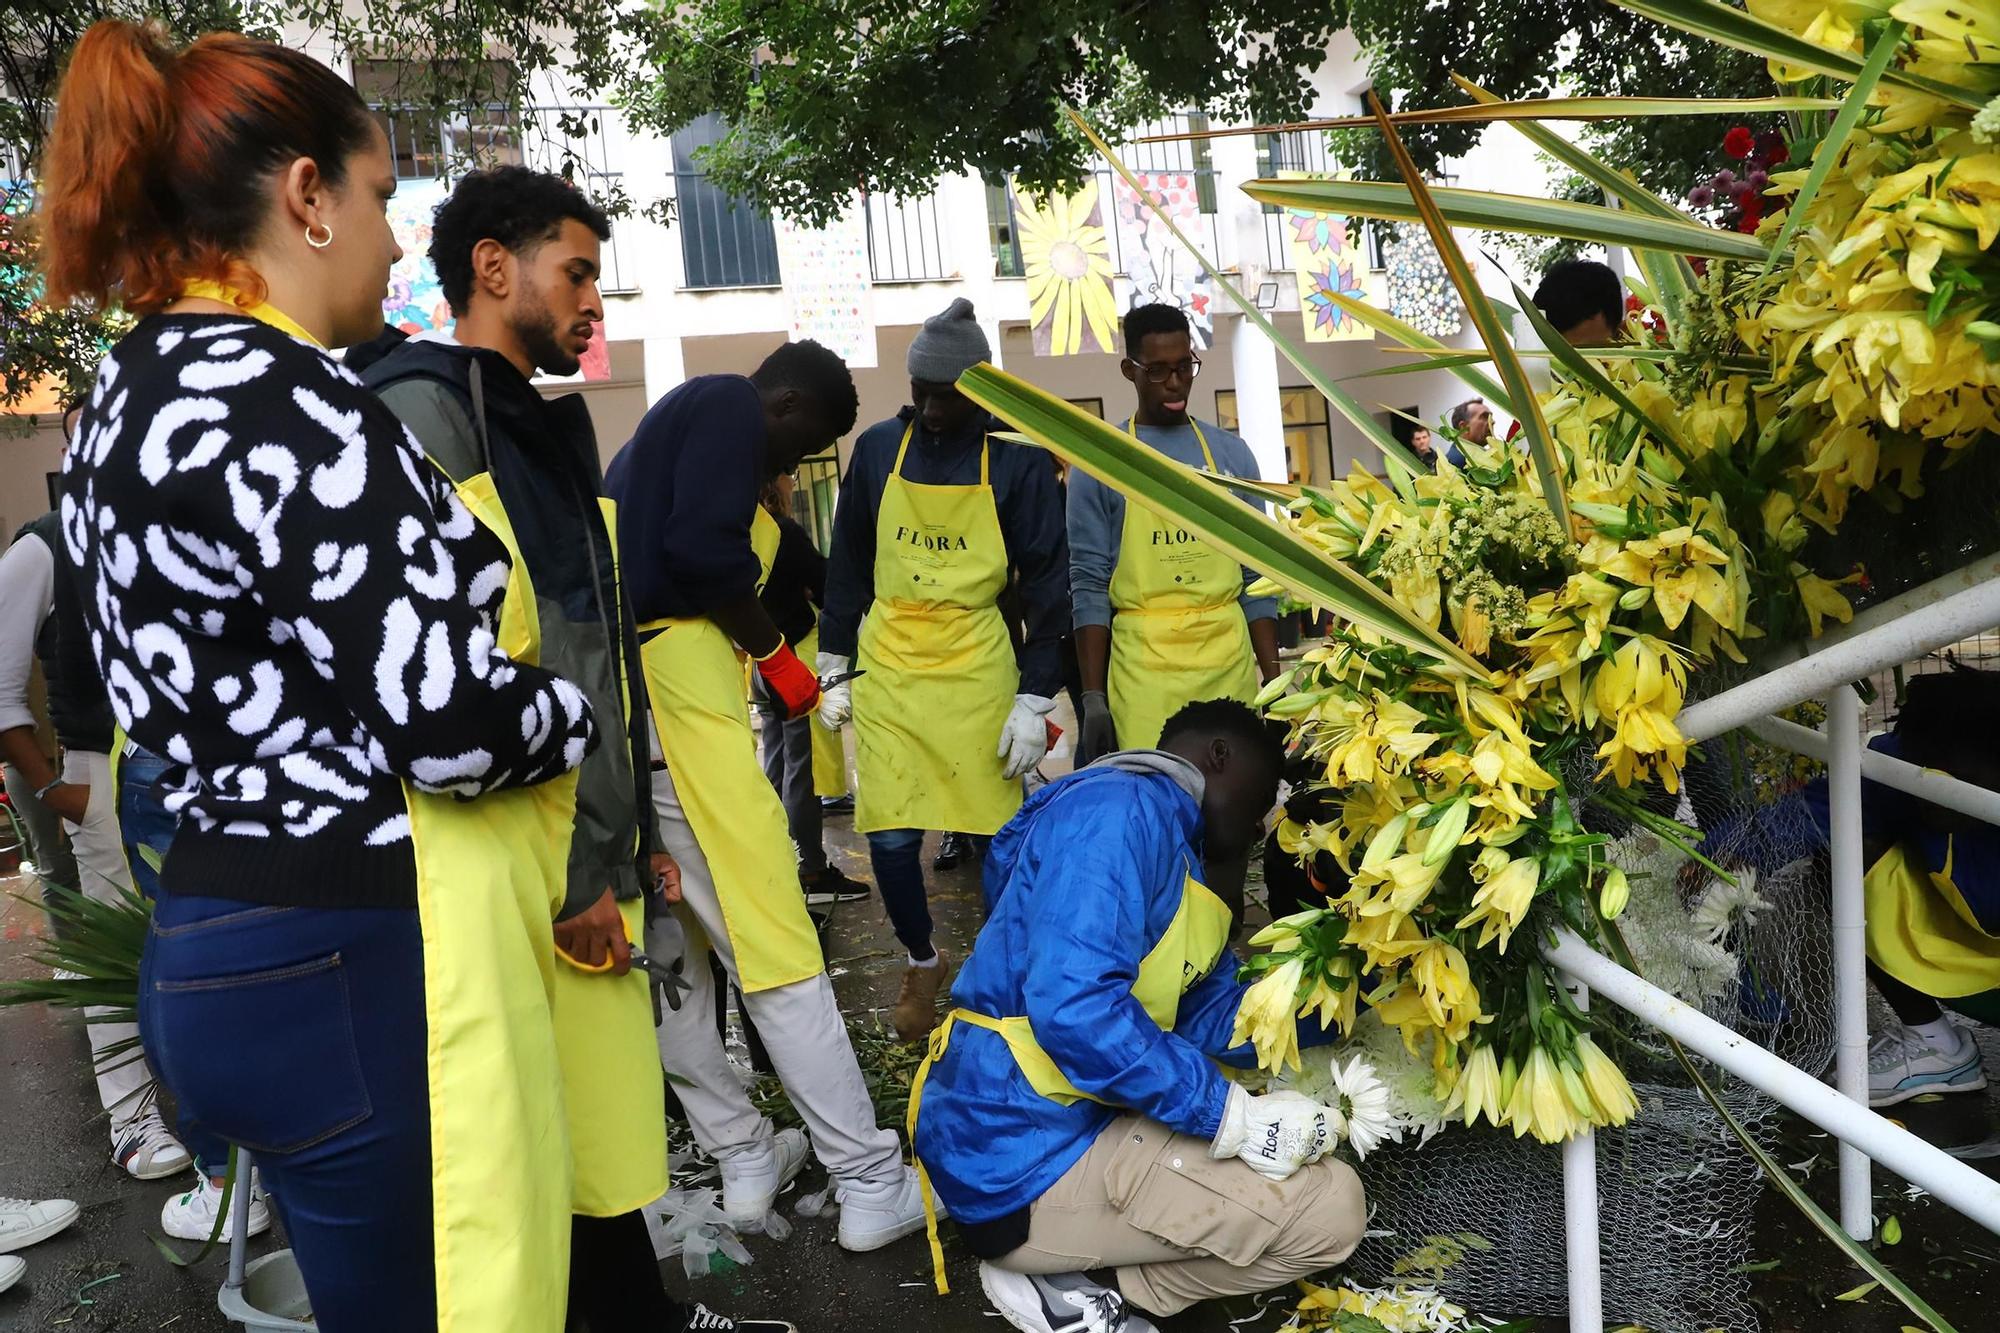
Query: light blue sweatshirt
[[1097, 519]]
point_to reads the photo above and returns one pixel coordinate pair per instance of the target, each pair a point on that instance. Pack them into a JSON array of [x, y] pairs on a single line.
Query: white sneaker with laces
[[147, 1149], [11, 1270], [751, 1181], [1059, 1303], [191, 1216], [1904, 1063], [873, 1215], [23, 1222]]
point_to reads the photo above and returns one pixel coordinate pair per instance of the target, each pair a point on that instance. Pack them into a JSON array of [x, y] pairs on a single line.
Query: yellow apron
[[695, 679], [1185, 953], [941, 671], [1177, 628], [1922, 932], [612, 1086], [829, 756], [490, 875]]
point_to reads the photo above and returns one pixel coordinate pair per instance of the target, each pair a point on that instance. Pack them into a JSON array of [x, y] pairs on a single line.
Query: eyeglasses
[[1159, 372]]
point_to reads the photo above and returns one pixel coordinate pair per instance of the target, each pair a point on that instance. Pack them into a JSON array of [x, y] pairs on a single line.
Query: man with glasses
[[1162, 618], [936, 520]]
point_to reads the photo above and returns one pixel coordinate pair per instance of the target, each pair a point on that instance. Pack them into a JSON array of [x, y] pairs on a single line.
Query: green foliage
[[596, 54], [863, 94], [1560, 46]]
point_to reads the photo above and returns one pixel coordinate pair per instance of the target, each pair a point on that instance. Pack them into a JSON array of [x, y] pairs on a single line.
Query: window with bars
[[1002, 228], [427, 141], [905, 241], [1308, 428], [725, 241]]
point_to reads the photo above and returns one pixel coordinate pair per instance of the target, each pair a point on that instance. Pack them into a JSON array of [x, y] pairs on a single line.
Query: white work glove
[[836, 705], [1275, 1134], [1025, 738]]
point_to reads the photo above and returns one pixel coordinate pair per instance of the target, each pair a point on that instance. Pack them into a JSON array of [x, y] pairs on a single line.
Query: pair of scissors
[[663, 979]]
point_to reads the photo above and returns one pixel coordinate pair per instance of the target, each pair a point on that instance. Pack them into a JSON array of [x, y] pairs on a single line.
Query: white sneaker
[[191, 1216], [147, 1149], [11, 1270], [873, 1215], [1903, 1063], [751, 1181], [1059, 1303], [23, 1222]]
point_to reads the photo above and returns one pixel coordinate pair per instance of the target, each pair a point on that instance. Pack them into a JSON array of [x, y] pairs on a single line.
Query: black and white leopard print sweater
[[292, 607]]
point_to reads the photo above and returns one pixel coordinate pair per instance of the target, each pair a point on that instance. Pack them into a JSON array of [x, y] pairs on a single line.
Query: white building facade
[[705, 294]]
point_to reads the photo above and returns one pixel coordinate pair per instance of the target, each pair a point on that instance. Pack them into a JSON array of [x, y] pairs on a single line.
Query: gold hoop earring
[[316, 244]]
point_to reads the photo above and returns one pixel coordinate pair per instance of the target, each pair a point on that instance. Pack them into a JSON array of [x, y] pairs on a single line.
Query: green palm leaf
[[1669, 275], [1528, 108], [1351, 408], [1488, 211], [1146, 476], [1465, 368], [1746, 32], [1527, 410]]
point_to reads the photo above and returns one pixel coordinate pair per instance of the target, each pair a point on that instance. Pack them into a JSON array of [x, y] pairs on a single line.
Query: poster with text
[[827, 290], [1066, 257], [1161, 269], [415, 303]]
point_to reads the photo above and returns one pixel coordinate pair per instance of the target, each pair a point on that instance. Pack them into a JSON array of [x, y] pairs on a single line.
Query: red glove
[[790, 679]]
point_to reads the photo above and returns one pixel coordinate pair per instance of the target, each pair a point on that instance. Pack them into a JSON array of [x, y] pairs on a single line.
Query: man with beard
[[1162, 617], [517, 254]]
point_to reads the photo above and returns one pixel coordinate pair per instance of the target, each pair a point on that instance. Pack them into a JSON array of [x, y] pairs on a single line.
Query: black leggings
[[1912, 1006], [614, 1280]]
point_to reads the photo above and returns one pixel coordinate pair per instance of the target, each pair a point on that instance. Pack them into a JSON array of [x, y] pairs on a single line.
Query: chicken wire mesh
[[1479, 1214]]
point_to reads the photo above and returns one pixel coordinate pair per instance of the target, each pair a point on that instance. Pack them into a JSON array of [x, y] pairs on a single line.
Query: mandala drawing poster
[[1328, 257], [1066, 256], [827, 285], [1161, 269], [415, 303]]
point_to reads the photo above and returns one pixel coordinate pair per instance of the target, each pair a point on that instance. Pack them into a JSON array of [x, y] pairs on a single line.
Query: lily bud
[[1613, 894]]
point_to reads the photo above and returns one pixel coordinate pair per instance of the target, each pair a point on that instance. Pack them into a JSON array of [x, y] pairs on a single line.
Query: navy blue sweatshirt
[[686, 486], [1031, 524]]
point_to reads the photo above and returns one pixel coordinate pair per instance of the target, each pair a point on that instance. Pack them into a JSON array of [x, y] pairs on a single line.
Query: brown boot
[[915, 1013]]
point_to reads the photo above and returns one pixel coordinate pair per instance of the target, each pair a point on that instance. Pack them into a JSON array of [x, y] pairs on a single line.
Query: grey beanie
[[948, 345]]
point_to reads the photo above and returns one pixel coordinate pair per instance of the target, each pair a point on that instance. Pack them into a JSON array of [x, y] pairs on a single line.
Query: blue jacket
[[1081, 884]]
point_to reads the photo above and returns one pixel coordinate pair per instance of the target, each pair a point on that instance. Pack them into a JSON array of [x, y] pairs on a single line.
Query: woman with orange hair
[[347, 971]]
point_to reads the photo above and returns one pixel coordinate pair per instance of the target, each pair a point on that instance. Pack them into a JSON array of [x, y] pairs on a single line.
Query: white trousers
[[800, 1024], [102, 873]]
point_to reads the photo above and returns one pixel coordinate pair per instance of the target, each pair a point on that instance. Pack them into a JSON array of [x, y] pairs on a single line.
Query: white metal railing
[[1910, 626]]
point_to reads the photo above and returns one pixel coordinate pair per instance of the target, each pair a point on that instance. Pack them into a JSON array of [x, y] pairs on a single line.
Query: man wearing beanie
[[936, 519]]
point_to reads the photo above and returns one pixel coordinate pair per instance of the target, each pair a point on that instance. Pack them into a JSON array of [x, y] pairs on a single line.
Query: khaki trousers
[[1181, 1227]]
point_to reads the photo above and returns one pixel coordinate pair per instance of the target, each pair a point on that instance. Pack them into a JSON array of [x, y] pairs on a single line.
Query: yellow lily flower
[[1501, 903], [1822, 599], [1267, 1017], [1607, 1084], [1477, 1091]]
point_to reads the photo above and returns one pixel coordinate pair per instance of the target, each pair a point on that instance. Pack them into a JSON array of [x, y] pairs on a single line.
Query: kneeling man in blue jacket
[[1072, 1116]]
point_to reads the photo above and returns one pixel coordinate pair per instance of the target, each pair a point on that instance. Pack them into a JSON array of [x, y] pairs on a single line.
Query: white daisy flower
[[1361, 1097]]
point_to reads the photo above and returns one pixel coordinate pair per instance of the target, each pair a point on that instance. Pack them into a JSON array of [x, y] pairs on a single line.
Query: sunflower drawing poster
[[1066, 257], [1328, 257]]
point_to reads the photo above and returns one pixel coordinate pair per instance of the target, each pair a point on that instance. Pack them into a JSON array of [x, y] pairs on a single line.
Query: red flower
[[1753, 214], [1738, 142]]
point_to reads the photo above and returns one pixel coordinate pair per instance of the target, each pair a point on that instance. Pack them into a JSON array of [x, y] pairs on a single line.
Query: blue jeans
[[147, 827], [897, 856], [299, 1033]]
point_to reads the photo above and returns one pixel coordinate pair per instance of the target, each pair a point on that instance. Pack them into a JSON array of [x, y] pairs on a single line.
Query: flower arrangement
[[1734, 197], [1454, 806]]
